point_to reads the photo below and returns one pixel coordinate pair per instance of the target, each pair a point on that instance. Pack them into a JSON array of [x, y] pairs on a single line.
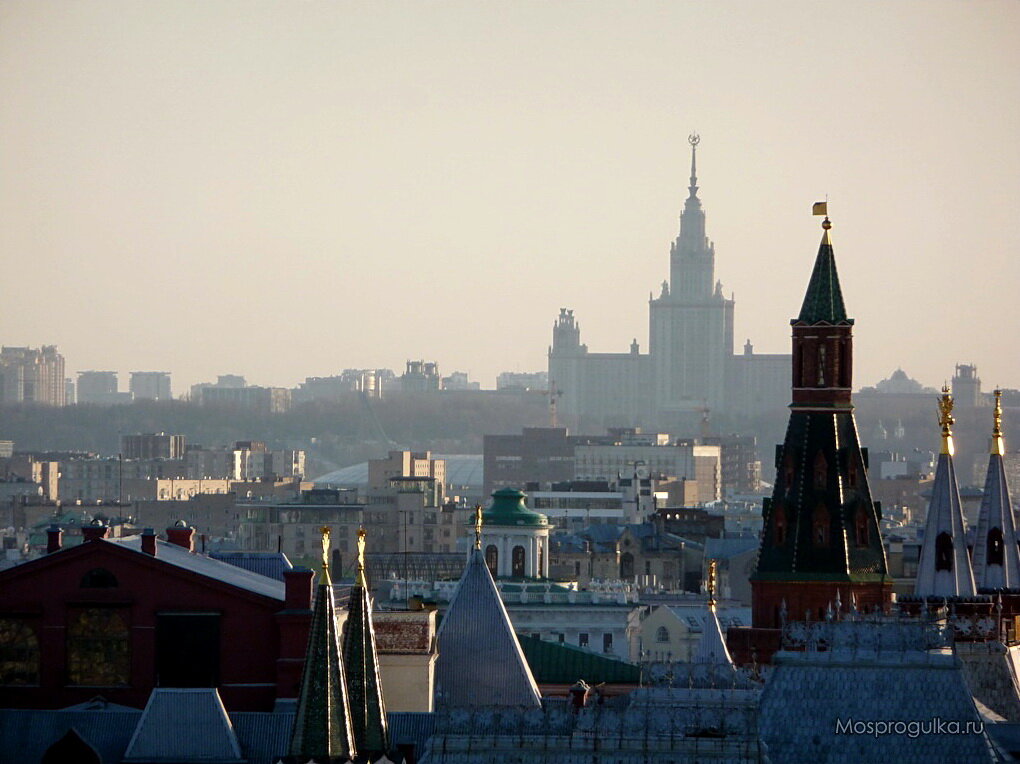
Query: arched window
[[517, 562], [821, 471], [98, 578], [779, 525], [820, 526], [662, 634], [861, 533], [492, 559], [98, 648], [996, 549], [626, 566], [19, 653], [944, 552]]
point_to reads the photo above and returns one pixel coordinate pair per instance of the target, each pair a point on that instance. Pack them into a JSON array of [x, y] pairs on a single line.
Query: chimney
[[94, 531], [54, 539], [149, 541], [299, 588], [181, 534], [579, 695]]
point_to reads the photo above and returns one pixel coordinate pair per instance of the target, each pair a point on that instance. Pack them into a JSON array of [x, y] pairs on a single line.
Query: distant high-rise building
[[156, 445], [97, 386], [150, 385], [421, 377], [690, 367], [271, 400], [32, 375], [517, 380]]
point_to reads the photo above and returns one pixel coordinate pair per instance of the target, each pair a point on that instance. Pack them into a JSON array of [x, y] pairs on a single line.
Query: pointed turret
[[823, 301], [480, 660], [944, 569], [322, 725], [821, 527], [711, 648], [996, 558], [692, 255], [361, 667]]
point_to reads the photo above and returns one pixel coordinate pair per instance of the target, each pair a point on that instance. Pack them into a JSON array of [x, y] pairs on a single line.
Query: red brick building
[[119, 617]]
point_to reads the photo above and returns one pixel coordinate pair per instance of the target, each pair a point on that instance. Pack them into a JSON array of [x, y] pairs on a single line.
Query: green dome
[[508, 508]]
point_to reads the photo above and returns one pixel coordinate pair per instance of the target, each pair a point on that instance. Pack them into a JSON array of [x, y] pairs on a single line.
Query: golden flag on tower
[[820, 208]]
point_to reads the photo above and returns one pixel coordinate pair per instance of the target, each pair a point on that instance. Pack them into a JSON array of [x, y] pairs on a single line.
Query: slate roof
[[723, 549], [480, 659], [823, 300], [945, 516], [269, 564], [996, 512], [554, 663], [172, 554], [807, 693], [184, 724], [711, 648]]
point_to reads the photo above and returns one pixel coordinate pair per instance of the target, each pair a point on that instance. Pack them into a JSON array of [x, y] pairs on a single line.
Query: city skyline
[[287, 190]]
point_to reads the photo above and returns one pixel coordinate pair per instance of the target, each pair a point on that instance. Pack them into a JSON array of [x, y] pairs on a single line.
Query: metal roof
[[184, 724]]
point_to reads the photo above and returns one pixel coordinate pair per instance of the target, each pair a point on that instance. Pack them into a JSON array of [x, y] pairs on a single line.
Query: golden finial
[[711, 584], [478, 526], [325, 554], [946, 420], [997, 445], [360, 578]]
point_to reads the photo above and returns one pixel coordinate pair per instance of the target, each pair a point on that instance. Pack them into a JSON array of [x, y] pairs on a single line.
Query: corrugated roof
[[269, 564], [184, 724], [480, 659], [27, 733]]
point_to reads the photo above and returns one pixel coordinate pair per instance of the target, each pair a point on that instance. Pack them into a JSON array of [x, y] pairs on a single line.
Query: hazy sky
[[286, 189]]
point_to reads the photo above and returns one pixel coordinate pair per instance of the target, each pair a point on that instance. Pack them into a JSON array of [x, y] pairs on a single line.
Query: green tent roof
[[823, 301], [508, 508]]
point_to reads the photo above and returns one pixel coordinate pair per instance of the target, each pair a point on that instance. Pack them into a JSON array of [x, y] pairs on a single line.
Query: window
[[561, 637], [582, 639], [820, 526], [995, 548], [98, 649], [821, 472], [517, 562], [662, 634], [626, 566], [19, 653], [861, 528], [187, 649], [648, 567], [607, 643], [944, 552], [99, 578], [492, 559], [577, 568]]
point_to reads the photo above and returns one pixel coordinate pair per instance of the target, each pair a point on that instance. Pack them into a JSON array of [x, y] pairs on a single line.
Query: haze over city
[[283, 190]]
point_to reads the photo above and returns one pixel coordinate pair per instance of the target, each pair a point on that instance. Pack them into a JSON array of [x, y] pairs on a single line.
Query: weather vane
[[711, 584], [360, 581], [478, 526], [997, 446], [694, 139]]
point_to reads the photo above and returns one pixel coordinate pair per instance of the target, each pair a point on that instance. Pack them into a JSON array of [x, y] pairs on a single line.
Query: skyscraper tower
[[691, 323], [820, 542]]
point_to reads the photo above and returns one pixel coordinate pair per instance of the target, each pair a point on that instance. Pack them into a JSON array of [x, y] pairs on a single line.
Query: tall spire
[[996, 558], [694, 139], [944, 569], [361, 665], [322, 725]]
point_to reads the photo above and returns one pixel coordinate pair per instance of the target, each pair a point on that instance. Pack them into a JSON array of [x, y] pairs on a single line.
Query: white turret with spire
[[944, 569]]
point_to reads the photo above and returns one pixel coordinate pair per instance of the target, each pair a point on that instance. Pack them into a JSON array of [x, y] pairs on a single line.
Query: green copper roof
[[322, 724], [823, 301], [554, 663], [364, 688], [508, 508]]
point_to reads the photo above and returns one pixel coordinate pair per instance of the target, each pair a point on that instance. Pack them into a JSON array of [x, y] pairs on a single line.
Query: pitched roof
[[944, 569], [996, 558], [269, 564], [480, 659], [711, 648], [554, 663], [823, 300], [184, 724]]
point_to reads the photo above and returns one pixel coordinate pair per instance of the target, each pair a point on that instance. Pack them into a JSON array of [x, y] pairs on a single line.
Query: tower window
[[944, 552], [517, 562], [821, 366], [820, 526], [995, 547], [492, 559]]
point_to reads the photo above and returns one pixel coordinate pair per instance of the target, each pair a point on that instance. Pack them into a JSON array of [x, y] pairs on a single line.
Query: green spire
[[322, 724], [823, 301], [361, 662]]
